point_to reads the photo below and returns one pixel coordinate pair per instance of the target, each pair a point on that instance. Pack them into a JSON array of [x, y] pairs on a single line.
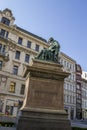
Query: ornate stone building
[[84, 95], [78, 92], [69, 85], [17, 48]]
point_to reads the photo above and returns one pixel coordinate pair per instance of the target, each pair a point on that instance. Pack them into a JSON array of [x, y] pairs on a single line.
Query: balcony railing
[[4, 55], [4, 36]]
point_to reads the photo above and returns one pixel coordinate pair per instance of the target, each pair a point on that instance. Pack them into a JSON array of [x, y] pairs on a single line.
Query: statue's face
[[50, 40]]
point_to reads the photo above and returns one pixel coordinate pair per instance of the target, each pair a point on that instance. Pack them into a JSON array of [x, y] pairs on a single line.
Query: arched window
[[5, 21]]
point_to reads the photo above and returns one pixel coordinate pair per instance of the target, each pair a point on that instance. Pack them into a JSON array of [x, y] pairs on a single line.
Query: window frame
[[27, 58], [0, 47], [2, 32], [37, 47], [12, 87], [28, 44], [6, 21], [15, 70], [17, 55], [22, 90], [20, 40], [1, 64]]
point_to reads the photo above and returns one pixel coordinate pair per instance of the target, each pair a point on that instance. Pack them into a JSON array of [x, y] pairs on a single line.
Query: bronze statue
[[51, 53]]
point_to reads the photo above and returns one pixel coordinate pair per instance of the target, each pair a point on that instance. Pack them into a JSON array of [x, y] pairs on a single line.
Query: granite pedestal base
[[43, 120], [43, 107]]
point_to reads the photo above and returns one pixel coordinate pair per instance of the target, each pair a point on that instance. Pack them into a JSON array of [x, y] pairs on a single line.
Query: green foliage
[[6, 124], [2, 114]]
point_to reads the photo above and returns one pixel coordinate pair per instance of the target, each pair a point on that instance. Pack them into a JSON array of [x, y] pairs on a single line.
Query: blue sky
[[64, 20]]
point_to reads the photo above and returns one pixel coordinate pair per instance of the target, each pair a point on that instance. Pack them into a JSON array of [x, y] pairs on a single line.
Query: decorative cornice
[[31, 34], [44, 69], [66, 56]]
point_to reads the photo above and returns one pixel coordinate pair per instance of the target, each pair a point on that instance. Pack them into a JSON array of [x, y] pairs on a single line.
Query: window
[[2, 33], [73, 68], [22, 89], [85, 75], [71, 87], [61, 61], [74, 99], [1, 105], [15, 70], [6, 34], [37, 48], [70, 99], [5, 21], [4, 48], [28, 44], [12, 87], [20, 41], [67, 86], [78, 87], [0, 64], [78, 91], [9, 110], [27, 57], [65, 63], [17, 55], [70, 66], [0, 47], [78, 77], [78, 68], [65, 98]]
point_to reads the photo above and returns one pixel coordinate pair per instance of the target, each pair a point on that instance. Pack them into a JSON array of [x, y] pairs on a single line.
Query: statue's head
[[50, 39]]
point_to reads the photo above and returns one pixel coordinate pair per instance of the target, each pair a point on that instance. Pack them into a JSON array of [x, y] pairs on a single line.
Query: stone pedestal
[[43, 106]]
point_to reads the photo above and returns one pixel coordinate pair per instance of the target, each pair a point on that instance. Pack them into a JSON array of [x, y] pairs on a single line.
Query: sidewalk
[[79, 123], [7, 128]]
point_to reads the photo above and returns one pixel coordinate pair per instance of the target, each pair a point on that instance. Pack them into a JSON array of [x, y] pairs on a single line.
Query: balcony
[[4, 56], [4, 34], [1, 36]]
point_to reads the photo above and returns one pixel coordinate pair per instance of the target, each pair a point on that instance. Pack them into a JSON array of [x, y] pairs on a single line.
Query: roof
[[65, 55], [31, 34]]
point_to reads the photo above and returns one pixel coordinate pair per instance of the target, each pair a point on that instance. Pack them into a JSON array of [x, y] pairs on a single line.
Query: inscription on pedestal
[[45, 94]]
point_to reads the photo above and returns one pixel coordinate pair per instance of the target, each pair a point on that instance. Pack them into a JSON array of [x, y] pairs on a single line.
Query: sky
[[64, 20]]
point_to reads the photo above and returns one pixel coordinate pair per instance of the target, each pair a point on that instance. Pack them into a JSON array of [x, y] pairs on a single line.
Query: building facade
[[17, 48], [78, 92], [84, 95], [69, 85]]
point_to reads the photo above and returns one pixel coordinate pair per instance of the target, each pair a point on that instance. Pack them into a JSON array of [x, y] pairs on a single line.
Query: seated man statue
[[51, 53]]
